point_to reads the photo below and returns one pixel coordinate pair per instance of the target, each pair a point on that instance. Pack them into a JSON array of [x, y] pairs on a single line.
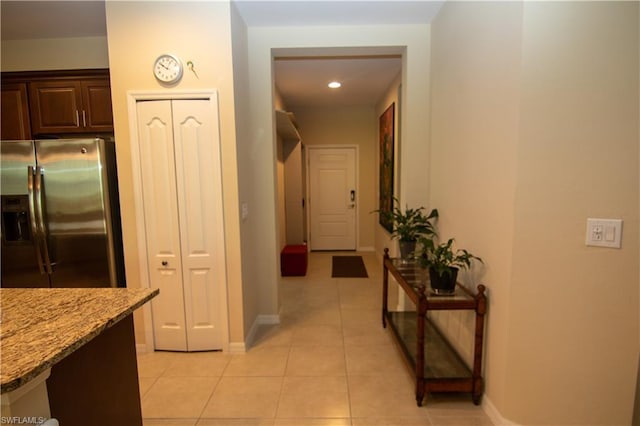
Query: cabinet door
[[15, 112], [55, 106], [96, 103]]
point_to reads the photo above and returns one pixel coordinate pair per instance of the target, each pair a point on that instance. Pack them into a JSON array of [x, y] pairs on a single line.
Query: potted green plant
[[443, 263], [409, 225]]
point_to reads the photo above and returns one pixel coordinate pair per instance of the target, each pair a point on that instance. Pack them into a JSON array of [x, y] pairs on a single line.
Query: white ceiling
[[337, 12], [301, 81]]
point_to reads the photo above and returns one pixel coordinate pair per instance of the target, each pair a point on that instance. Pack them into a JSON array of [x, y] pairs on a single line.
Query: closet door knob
[[165, 263]]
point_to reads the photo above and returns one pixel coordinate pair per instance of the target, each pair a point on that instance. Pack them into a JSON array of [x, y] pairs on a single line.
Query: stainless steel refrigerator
[[60, 214]]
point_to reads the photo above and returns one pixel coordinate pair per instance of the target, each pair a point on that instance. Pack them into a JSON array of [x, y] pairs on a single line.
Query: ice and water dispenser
[[15, 219]]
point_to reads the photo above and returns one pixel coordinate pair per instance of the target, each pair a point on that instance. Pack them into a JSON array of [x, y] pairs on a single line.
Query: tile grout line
[[284, 374], [344, 352], [204, 407]]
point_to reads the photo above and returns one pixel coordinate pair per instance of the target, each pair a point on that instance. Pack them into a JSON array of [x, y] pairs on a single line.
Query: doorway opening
[[332, 119]]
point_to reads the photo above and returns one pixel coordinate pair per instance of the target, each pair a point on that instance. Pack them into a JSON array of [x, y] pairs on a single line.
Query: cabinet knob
[[165, 263]]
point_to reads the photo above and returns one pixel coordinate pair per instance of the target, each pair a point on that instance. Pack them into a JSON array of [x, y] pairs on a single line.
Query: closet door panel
[[161, 223], [199, 202], [201, 318]]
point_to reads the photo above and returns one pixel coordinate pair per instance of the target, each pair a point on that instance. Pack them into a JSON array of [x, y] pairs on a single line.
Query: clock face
[[168, 69]]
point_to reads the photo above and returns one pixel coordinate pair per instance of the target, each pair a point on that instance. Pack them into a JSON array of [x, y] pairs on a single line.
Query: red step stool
[[293, 261]]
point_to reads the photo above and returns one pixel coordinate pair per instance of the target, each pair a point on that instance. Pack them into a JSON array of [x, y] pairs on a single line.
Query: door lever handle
[[353, 195]]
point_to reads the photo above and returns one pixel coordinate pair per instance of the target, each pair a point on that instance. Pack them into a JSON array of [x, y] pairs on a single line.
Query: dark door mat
[[348, 267]]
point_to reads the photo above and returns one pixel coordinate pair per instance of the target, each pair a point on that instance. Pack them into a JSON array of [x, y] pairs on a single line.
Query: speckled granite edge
[[40, 327]]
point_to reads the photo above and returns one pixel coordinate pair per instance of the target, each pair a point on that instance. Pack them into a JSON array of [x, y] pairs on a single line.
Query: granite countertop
[[39, 327]]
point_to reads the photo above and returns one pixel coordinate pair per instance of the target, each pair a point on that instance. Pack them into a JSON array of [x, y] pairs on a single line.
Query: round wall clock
[[167, 69]]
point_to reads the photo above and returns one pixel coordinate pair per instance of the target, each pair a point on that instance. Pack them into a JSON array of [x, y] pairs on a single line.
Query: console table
[[436, 364]]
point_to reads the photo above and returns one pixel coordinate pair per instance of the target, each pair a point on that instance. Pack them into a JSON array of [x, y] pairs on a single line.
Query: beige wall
[[136, 36], [475, 100], [278, 104], [534, 129], [55, 54], [293, 195], [245, 297], [579, 126], [347, 126]]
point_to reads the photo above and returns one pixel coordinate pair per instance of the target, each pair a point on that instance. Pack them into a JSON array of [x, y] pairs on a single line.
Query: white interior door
[[155, 134], [199, 207], [332, 198], [181, 185]]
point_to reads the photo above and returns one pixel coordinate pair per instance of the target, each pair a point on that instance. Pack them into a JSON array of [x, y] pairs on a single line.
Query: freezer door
[[75, 196], [15, 157], [20, 259]]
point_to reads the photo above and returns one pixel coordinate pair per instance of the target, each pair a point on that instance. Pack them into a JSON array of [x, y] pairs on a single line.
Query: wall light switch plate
[[604, 233]]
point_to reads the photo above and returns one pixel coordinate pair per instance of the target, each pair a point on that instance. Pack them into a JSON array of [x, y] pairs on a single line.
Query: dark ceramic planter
[[445, 284]]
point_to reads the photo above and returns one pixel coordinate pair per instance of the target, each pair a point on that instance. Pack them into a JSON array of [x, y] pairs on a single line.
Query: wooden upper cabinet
[[96, 100], [14, 124], [55, 106], [70, 106]]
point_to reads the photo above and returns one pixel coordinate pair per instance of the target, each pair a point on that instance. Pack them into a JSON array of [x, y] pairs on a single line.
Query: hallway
[[328, 363]]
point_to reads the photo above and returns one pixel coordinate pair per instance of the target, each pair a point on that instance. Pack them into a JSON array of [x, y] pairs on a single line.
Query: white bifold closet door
[[180, 166]]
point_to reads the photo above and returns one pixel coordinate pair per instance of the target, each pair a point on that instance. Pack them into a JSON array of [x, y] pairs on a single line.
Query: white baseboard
[[492, 412], [237, 348], [268, 319], [260, 320]]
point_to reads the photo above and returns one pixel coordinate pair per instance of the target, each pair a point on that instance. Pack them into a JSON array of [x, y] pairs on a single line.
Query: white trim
[[492, 412], [237, 348], [309, 147], [367, 249], [134, 96]]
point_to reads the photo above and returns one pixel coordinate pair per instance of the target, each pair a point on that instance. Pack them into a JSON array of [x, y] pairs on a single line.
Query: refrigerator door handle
[[33, 221], [39, 182]]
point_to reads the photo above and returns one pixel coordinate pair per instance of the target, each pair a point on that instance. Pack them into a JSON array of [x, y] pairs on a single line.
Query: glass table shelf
[[441, 360]]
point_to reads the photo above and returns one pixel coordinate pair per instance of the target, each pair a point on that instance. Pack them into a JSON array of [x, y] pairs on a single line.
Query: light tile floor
[[328, 363]]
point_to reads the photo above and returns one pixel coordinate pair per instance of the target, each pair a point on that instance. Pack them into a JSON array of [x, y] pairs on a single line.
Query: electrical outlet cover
[[604, 232]]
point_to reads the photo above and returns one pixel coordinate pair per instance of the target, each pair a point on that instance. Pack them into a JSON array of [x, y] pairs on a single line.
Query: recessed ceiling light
[[334, 84]]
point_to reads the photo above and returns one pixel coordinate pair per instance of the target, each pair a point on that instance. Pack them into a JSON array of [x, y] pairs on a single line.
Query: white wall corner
[[253, 332], [492, 412]]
